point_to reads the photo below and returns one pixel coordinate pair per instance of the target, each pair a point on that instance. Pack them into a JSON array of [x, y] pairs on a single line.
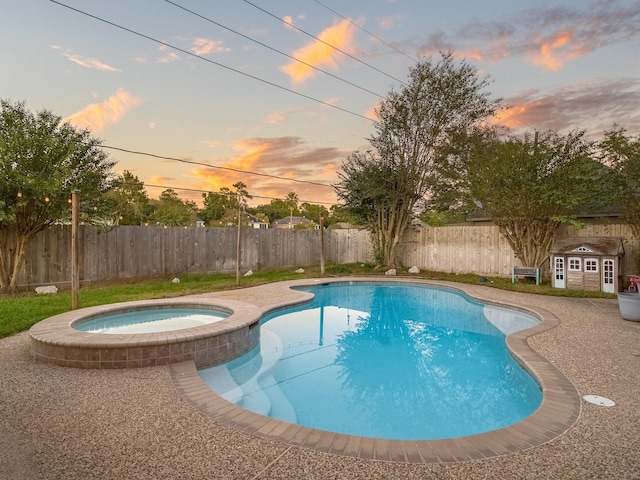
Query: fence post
[[321, 245], [75, 273], [238, 243]]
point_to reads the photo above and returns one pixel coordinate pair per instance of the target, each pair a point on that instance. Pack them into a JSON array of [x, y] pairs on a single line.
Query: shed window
[[590, 265], [575, 264]]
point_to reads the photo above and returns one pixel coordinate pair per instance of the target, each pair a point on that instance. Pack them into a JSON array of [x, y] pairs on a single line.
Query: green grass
[[19, 312]]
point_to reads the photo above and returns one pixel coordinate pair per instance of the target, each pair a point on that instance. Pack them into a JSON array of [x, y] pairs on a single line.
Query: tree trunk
[[18, 261], [4, 265], [531, 241], [391, 224], [13, 248]]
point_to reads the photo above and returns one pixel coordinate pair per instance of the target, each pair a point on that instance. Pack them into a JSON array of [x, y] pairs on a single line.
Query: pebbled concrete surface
[[66, 423]]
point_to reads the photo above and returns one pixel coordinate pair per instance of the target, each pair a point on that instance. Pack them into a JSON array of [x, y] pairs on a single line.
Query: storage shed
[[587, 263]]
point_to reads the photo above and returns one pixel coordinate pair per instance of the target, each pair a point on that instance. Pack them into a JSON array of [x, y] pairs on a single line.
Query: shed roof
[[610, 246]]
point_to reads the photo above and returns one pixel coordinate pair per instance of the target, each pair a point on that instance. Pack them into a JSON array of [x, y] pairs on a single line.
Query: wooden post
[[75, 224], [238, 243], [321, 245]]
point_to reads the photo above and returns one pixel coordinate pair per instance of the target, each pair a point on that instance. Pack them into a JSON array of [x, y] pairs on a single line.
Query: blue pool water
[[151, 320], [394, 361]]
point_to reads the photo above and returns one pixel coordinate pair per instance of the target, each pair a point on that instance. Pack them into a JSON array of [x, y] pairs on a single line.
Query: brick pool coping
[[559, 410], [55, 341]]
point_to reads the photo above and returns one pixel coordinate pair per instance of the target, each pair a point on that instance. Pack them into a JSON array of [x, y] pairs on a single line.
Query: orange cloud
[[320, 52], [510, 117], [98, 115], [557, 49], [371, 113], [250, 152], [252, 149], [330, 170], [213, 180], [475, 53], [161, 180], [590, 105], [275, 159]]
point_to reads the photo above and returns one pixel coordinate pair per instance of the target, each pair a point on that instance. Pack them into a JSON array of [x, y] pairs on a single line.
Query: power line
[[403, 53], [273, 49], [237, 170], [188, 189], [323, 42], [349, 55], [366, 31], [186, 52]]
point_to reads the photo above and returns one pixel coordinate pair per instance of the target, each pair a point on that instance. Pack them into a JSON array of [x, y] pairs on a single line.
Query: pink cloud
[[557, 48], [546, 37], [591, 105]]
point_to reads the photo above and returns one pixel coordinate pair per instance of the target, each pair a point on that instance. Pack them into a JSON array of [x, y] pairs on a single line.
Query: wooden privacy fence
[[458, 249], [129, 252]]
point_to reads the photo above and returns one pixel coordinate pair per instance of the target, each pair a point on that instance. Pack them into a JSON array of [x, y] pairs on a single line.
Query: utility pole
[[321, 245], [75, 226]]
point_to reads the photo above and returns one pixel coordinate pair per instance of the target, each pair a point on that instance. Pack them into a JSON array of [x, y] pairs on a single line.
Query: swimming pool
[[392, 361]]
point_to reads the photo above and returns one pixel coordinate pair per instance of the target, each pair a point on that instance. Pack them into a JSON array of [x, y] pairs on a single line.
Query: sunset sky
[[216, 84]]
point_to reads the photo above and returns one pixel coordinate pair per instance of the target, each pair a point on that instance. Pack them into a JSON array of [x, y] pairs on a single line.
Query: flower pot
[[629, 304]]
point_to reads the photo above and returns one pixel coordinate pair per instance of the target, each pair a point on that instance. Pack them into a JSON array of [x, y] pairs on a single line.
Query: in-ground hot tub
[[150, 320], [57, 340]]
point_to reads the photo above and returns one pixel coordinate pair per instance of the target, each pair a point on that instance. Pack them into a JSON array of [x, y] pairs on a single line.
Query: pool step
[[226, 386], [260, 393], [281, 407]]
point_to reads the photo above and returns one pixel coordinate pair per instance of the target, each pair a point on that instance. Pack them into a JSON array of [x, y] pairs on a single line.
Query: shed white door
[[558, 273], [608, 278]]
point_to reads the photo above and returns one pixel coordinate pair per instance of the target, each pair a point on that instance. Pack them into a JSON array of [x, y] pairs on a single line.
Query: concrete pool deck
[[70, 423]]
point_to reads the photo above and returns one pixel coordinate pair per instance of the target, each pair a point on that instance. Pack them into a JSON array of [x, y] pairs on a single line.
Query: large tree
[[240, 202], [127, 202], [218, 206], [314, 211], [341, 214], [385, 184], [274, 210], [42, 160], [527, 186], [171, 211], [621, 151]]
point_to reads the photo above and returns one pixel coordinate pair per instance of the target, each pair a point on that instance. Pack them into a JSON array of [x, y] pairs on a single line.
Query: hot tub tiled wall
[[54, 340]]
